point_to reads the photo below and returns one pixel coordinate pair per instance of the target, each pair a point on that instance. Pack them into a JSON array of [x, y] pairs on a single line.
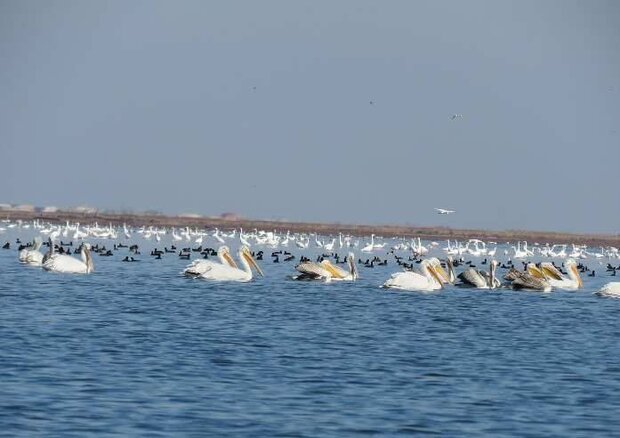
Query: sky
[[330, 111]]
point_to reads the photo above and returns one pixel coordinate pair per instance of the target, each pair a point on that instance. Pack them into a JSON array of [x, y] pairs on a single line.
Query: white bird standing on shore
[[70, 265]]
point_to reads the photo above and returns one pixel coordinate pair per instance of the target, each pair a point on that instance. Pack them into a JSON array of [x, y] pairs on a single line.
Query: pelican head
[[571, 268], [352, 266], [439, 271], [427, 266], [244, 253], [87, 257], [223, 253]]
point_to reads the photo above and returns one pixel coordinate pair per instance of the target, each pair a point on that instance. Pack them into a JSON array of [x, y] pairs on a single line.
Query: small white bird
[[456, 116], [444, 211]]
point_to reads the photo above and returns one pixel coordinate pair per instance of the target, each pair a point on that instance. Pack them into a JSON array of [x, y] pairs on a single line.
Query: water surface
[[136, 349]]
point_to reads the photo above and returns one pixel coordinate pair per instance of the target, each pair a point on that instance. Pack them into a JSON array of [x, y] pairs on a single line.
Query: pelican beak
[[548, 273], [252, 263], [433, 272], [579, 282], [229, 259], [440, 271], [327, 265], [534, 271]]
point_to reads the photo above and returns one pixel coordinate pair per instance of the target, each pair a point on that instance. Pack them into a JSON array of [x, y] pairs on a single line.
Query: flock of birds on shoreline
[[418, 271]]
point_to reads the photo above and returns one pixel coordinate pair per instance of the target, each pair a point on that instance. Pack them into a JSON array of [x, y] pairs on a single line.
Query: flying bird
[[444, 211], [456, 116]]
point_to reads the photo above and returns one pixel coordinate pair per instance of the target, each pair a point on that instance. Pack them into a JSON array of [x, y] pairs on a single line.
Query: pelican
[[428, 280], [32, 256], [555, 278], [226, 272], [480, 279], [530, 280], [610, 290], [67, 264], [199, 267], [326, 271]]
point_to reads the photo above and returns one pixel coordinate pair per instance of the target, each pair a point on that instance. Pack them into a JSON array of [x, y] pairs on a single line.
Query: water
[[136, 349]]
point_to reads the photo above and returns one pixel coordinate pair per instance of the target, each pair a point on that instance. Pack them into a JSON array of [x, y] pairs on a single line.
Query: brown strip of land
[[427, 233]]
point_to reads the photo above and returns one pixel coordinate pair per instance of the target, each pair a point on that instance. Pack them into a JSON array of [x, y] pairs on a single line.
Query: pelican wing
[[550, 271], [530, 282], [335, 271], [198, 268], [65, 264], [473, 277], [312, 270], [225, 273], [513, 274], [408, 280]]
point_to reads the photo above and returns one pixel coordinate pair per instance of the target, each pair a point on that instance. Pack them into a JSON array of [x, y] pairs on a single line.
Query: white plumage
[[70, 265]]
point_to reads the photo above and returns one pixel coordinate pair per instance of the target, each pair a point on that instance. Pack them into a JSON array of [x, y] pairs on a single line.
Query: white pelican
[[67, 264], [610, 290], [480, 279], [199, 267], [428, 280], [555, 278], [32, 256], [326, 271], [225, 272]]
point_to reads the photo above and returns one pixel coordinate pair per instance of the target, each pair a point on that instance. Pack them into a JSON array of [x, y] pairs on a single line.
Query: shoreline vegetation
[[225, 224]]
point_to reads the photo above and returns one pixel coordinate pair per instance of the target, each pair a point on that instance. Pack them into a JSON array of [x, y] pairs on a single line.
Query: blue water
[[136, 349]]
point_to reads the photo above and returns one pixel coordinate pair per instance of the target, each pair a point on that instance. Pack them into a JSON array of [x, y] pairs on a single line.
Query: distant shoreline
[[426, 233]]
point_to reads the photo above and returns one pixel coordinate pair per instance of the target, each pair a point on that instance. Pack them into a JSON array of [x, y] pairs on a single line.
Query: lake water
[[137, 349]]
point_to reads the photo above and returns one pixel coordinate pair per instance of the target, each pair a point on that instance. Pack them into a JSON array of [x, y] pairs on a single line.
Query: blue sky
[[264, 109]]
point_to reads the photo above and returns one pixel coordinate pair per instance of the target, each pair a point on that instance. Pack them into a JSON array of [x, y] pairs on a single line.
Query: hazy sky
[[263, 108]]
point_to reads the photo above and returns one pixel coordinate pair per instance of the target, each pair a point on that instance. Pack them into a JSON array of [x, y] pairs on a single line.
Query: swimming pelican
[[480, 279], [610, 290], [555, 278], [32, 256], [326, 271], [67, 264], [227, 272], [428, 280], [199, 267]]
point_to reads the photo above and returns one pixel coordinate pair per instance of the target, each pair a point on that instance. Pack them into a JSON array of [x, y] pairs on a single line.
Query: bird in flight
[[456, 116], [444, 211]]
